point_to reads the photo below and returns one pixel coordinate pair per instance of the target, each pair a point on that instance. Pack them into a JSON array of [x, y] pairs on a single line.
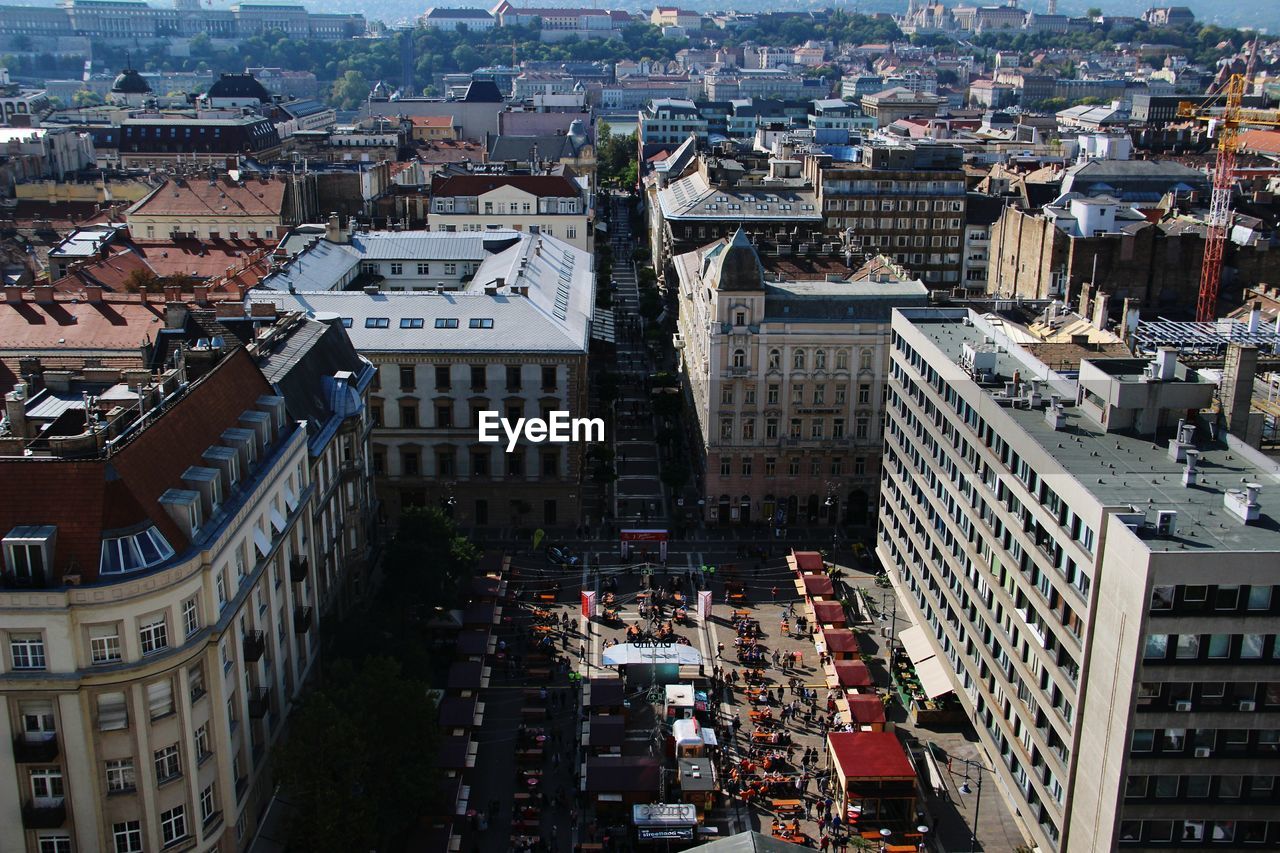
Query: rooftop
[[219, 198], [1119, 468], [693, 198]]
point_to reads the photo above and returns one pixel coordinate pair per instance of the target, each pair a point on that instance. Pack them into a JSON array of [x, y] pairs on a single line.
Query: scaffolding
[[1201, 338]]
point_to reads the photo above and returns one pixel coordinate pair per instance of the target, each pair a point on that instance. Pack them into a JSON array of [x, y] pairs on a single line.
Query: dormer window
[[183, 506], [141, 550], [208, 482], [740, 318], [28, 552]]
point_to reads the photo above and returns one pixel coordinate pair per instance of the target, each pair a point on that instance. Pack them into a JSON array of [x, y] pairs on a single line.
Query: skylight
[[446, 322], [480, 323], [411, 322], [377, 323]]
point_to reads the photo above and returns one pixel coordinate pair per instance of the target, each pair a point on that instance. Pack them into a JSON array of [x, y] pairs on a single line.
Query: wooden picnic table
[[787, 806]]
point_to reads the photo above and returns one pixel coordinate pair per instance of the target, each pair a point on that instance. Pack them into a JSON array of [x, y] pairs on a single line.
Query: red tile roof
[[1260, 141], [829, 612], [85, 498], [474, 185], [223, 197], [117, 323], [431, 121], [870, 755]]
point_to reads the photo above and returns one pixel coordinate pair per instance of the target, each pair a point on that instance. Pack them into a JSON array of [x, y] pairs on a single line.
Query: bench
[[737, 597], [787, 807], [538, 672], [545, 596], [531, 713]]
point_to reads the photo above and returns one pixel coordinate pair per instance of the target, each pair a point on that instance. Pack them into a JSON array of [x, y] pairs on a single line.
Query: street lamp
[[965, 788], [884, 838], [924, 831]]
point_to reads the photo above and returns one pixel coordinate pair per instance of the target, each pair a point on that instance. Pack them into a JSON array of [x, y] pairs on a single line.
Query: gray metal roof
[[840, 301], [692, 198], [537, 296], [430, 245]]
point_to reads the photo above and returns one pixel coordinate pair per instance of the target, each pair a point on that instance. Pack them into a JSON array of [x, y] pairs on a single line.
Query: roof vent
[[1243, 504], [1189, 474]]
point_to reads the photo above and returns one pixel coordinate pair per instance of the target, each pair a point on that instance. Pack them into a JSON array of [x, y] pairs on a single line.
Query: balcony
[[255, 643], [259, 703], [35, 751], [299, 566], [44, 814], [301, 620]]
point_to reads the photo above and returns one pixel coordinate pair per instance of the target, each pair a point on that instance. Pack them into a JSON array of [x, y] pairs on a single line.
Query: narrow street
[[638, 494]]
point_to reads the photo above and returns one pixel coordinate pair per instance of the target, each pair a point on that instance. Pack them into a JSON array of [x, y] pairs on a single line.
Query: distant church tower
[[1053, 7]]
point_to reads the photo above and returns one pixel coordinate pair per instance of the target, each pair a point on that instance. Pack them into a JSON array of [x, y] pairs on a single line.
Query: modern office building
[[785, 376], [1095, 563]]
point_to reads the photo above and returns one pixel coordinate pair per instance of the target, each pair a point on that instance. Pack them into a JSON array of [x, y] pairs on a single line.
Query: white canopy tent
[[931, 670], [652, 654]]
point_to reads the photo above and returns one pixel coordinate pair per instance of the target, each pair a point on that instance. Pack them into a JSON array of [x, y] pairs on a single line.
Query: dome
[[734, 265], [239, 86], [130, 82]]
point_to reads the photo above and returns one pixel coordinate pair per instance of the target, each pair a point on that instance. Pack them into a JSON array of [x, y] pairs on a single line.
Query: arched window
[[842, 359], [797, 359], [775, 359], [739, 358], [820, 359]]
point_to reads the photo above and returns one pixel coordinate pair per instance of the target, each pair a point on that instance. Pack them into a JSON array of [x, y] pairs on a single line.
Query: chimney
[[333, 229], [172, 293], [93, 294], [1084, 300], [1100, 312], [13, 294], [202, 294], [15, 409], [1236, 392], [44, 294], [1255, 317], [1166, 363], [1189, 474]]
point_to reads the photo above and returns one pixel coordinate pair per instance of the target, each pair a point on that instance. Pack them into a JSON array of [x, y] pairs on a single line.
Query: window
[[168, 764], [746, 466], [820, 359], [749, 395], [1259, 598], [748, 429], [120, 776], [864, 394], [740, 318], [411, 322], [726, 429], [127, 836], [771, 396], [26, 549], [798, 359], [550, 464], [1195, 593], [513, 377], [397, 269], [1219, 645], [377, 322], [409, 415], [424, 269], [739, 358], [726, 396], [1162, 598], [154, 635], [1157, 647], [173, 823], [775, 360], [549, 378], [1226, 598], [862, 427], [726, 467], [1188, 646], [771, 428], [837, 428], [208, 805], [480, 323], [104, 645], [479, 381], [819, 395], [446, 322], [46, 784], [842, 359], [815, 428], [444, 415], [190, 616], [160, 698], [1251, 646], [793, 466], [770, 466], [795, 427], [27, 651], [55, 844]]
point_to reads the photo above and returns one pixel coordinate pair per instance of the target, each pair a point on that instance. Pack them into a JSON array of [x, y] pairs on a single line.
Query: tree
[[86, 98], [1093, 12], [352, 786], [428, 560], [350, 90], [142, 279]]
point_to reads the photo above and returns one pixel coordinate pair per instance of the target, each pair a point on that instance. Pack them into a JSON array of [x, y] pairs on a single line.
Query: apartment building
[[217, 208], [158, 607], [1094, 564], [902, 200], [669, 121], [547, 204], [514, 340], [786, 379], [716, 197]]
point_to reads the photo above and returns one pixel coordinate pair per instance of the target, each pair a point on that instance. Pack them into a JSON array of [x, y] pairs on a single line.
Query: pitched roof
[[464, 12], [870, 755], [431, 121], [221, 198], [86, 498], [474, 185]]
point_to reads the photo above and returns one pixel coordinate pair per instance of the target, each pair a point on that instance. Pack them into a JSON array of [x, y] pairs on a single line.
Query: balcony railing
[[301, 620], [260, 703], [255, 643], [299, 566], [46, 814], [34, 751]]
